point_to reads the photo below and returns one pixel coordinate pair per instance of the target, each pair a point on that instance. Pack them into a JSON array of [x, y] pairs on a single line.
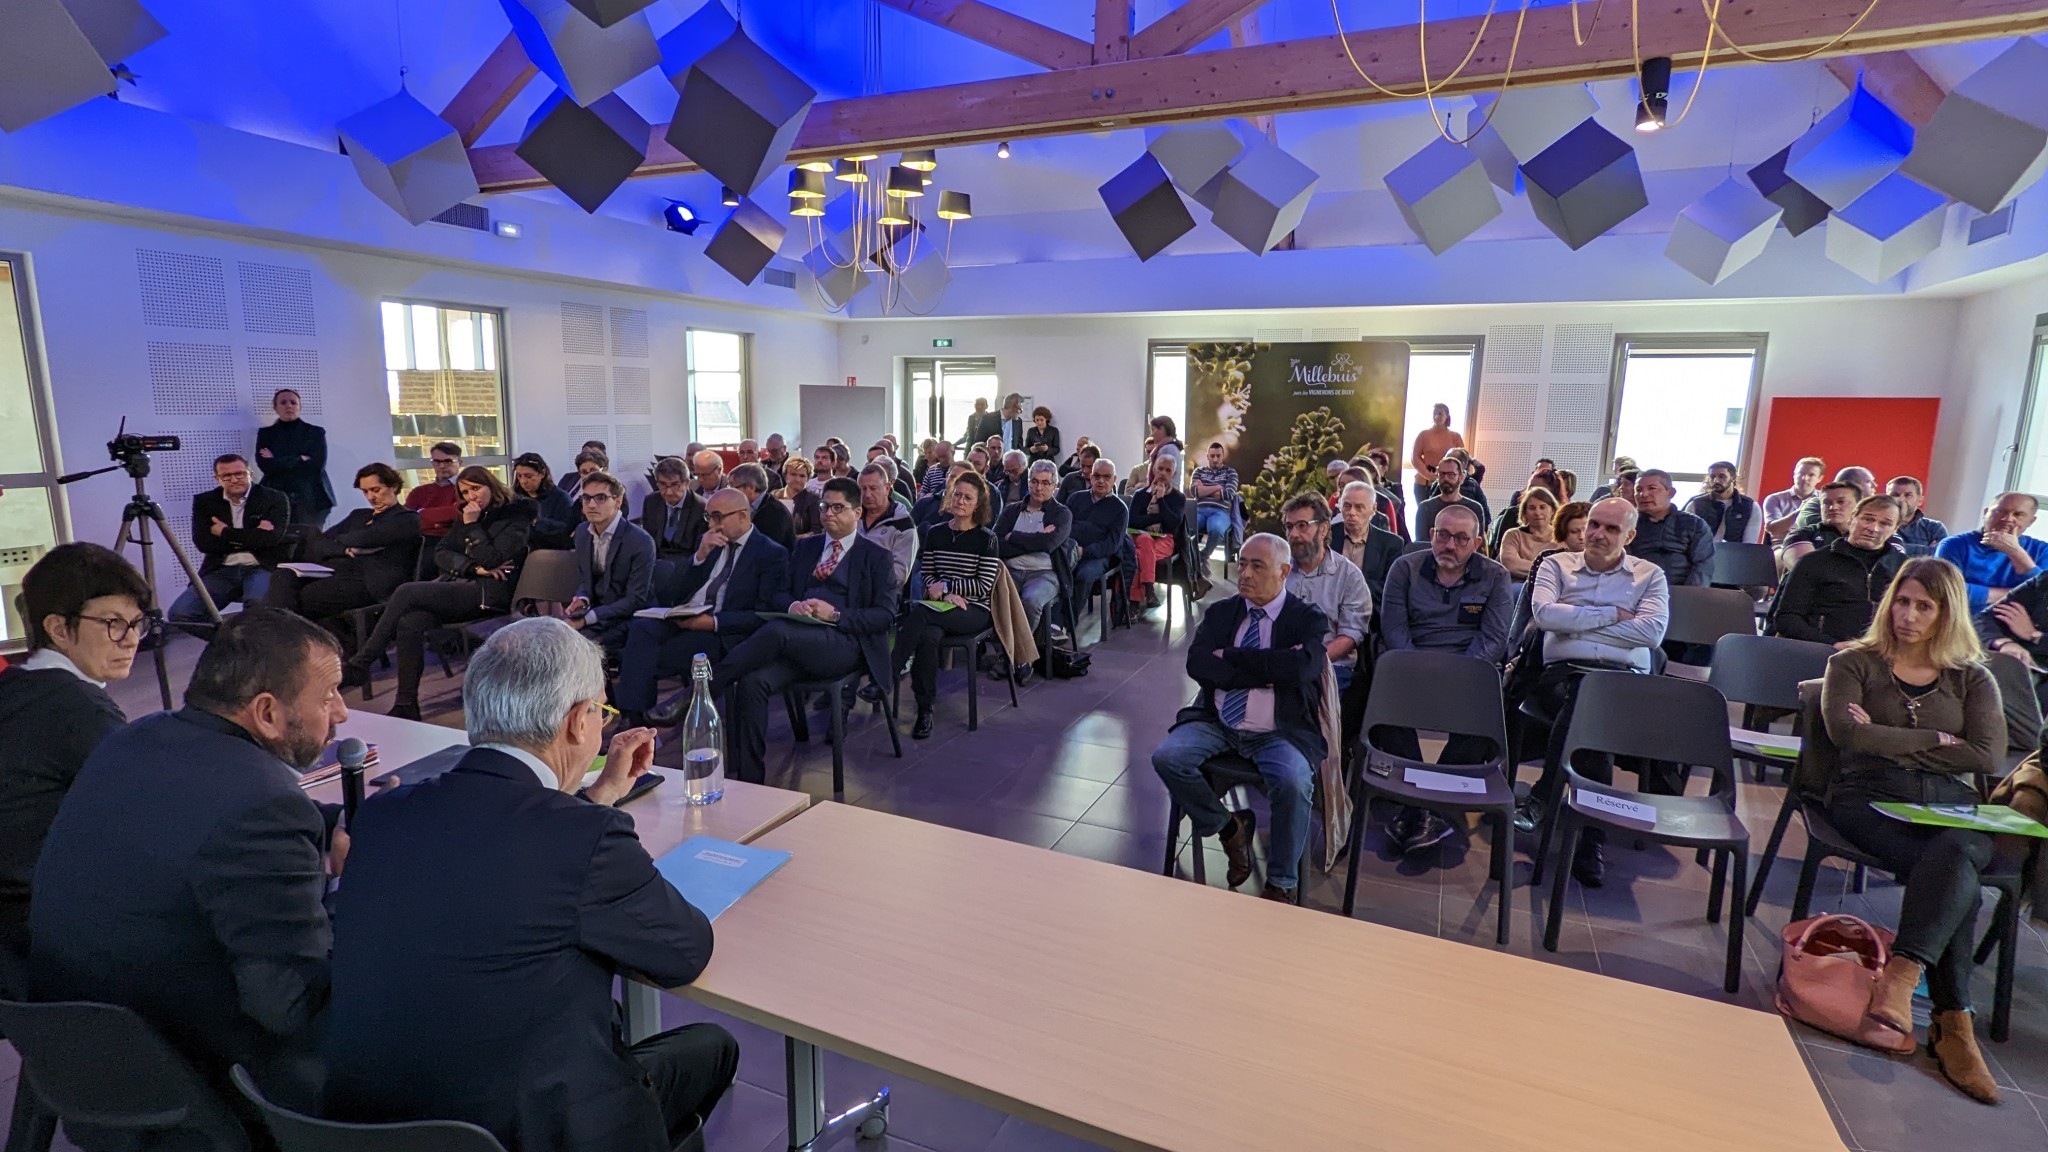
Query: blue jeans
[[1290, 784], [245, 582], [1214, 525]]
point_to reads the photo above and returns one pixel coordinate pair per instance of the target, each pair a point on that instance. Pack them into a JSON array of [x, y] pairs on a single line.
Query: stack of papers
[[1764, 743], [1980, 817], [309, 571], [679, 612]]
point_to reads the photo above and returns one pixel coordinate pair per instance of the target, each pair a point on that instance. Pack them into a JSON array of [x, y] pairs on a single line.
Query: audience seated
[[978, 459], [1532, 534], [1916, 717], [887, 522], [672, 514], [1996, 557], [1543, 476], [1076, 479], [770, 517], [934, 508], [775, 454], [570, 481], [239, 531], [1326, 579], [1601, 608], [1832, 591], [1866, 486], [1357, 537], [556, 513], [1074, 462], [958, 559], [372, 551], [938, 472], [614, 566], [479, 561], [1042, 439], [1449, 491], [488, 912], [708, 471], [1781, 509], [1010, 482], [82, 604], [798, 500], [1258, 659], [184, 874], [1159, 515], [842, 582], [437, 502], [1101, 525], [1033, 535], [1448, 599], [1432, 444], [1569, 530], [1838, 508], [1919, 533], [1680, 543], [1624, 467], [1728, 512], [2017, 624]]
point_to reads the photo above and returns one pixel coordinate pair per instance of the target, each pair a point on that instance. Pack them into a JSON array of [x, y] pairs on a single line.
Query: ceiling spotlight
[[920, 160], [805, 184], [863, 156], [728, 197], [1003, 150], [851, 171], [680, 218], [904, 183], [803, 206], [818, 165], [1656, 101], [956, 206]]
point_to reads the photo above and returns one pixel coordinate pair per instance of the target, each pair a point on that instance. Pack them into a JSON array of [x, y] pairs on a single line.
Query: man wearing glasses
[[614, 566], [239, 529], [438, 504], [672, 514], [842, 601]]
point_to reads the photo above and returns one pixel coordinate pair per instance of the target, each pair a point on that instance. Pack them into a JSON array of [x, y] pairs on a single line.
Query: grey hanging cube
[[1887, 229], [1443, 193], [584, 60], [1528, 120], [47, 64], [1722, 231], [837, 276], [1850, 149], [738, 111], [1803, 210], [408, 157], [1501, 167], [1988, 141], [585, 152], [605, 13], [705, 29], [1585, 184], [746, 242], [1147, 210], [1262, 196], [1194, 154], [117, 29]]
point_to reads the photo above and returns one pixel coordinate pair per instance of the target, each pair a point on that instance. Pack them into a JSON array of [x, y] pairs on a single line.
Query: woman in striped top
[[957, 566]]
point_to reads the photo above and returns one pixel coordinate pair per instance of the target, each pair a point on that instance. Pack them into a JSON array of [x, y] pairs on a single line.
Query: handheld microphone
[[351, 752]]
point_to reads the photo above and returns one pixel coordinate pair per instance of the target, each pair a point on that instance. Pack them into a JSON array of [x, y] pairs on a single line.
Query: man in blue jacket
[[1101, 523], [614, 565]]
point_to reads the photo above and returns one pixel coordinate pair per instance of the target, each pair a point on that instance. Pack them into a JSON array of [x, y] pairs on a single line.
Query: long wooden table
[[1143, 1012]]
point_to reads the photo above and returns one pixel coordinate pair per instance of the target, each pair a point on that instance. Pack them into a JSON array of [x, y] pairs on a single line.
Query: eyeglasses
[[1307, 525], [605, 710], [597, 497], [118, 629], [715, 517], [1448, 537], [836, 507]]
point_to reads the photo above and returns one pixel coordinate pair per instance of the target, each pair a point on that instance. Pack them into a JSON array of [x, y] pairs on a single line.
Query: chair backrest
[[103, 1065], [1818, 756], [1744, 565], [1437, 692], [548, 575], [2022, 706], [295, 1132], [1704, 615], [1655, 717], [1766, 670], [1415, 546]]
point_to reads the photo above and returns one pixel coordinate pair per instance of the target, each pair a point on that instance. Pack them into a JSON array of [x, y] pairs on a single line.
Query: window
[[1683, 402], [30, 516], [718, 386], [2029, 469], [1166, 391], [444, 370], [943, 392]]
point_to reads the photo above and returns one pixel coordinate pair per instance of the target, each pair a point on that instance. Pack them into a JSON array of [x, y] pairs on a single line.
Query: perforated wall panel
[[1333, 334], [582, 329], [276, 299], [1514, 349], [634, 448], [584, 387], [1276, 335], [578, 433], [1509, 407], [629, 333], [181, 290], [632, 391], [192, 379], [296, 368], [1582, 348]]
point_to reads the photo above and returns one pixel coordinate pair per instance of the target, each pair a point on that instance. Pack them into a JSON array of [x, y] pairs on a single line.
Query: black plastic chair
[[1225, 773], [970, 647], [103, 1066], [838, 693], [1745, 565], [1437, 692], [1102, 593], [1656, 718], [1764, 672], [296, 1132], [1704, 615]]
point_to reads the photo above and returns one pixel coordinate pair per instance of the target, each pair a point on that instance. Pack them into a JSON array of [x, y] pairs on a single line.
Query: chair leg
[[838, 708], [1770, 856], [33, 1126], [1172, 839], [1718, 886], [1504, 869], [1358, 806], [799, 727], [1555, 920], [1012, 678], [2008, 913], [1856, 880], [889, 718], [973, 694], [1553, 812], [1732, 983], [1809, 871]]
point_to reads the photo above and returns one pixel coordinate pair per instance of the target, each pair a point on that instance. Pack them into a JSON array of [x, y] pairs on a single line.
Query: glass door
[[31, 519], [942, 395]]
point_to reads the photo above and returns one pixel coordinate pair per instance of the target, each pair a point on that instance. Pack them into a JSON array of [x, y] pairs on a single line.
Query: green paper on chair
[[938, 605], [1976, 817]]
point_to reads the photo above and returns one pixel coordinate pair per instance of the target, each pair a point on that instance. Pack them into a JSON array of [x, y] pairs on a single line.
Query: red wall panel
[[1889, 436]]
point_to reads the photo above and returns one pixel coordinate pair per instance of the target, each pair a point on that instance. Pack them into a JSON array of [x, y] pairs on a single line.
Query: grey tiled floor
[[1070, 771]]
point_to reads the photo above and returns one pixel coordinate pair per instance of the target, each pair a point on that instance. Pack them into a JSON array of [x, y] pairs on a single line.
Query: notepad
[[1445, 781], [937, 605], [713, 874], [1977, 817], [310, 571], [1764, 743], [679, 612]]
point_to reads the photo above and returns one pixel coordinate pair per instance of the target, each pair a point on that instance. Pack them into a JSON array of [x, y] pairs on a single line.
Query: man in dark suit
[[1011, 424], [839, 579], [1355, 537], [1101, 523], [770, 518], [738, 572], [239, 530], [672, 514], [1258, 658], [489, 909], [614, 565], [981, 424], [184, 873]]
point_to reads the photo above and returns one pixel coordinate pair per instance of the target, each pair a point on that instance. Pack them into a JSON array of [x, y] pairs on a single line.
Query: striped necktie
[[1253, 636]]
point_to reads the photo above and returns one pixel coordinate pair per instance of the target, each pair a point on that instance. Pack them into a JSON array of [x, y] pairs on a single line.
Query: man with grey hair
[[1032, 535], [886, 520], [1258, 657], [1011, 483], [2000, 554], [935, 477], [673, 514], [500, 884], [709, 468], [770, 518]]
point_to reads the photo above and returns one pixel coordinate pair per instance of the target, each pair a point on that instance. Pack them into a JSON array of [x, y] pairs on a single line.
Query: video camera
[[131, 451]]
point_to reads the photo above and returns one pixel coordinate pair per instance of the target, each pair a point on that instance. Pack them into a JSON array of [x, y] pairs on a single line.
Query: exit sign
[[942, 343]]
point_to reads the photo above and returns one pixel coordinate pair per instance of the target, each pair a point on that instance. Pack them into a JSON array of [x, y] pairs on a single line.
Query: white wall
[[1994, 341]]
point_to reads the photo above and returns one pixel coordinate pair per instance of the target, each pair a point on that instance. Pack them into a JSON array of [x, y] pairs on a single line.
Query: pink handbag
[[1824, 982]]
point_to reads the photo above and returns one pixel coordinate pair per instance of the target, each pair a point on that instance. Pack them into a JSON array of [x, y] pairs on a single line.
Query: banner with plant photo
[[1284, 411]]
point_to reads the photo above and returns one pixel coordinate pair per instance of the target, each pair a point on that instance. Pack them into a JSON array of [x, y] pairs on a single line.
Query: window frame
[[500, 463], [1424, 344], [940, 367], [2031, 401], [746, 340], [1755, 343], [43, 407]]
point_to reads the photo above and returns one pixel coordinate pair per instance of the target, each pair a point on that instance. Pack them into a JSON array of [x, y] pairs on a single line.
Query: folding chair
[[297, 1132]]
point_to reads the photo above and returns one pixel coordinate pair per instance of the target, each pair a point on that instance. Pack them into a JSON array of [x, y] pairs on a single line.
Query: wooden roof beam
[[1896, 79], [1188, 25], [1003, 31], [497, 81], [1112, 30]]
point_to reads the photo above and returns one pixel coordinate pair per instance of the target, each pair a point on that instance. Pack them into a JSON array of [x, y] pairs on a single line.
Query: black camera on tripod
[[131, 451]]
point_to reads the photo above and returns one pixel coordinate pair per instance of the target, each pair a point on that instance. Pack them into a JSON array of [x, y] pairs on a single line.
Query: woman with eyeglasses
[[1159, 515], [956, 567], [372, 551], [83, 606], [479, 560]]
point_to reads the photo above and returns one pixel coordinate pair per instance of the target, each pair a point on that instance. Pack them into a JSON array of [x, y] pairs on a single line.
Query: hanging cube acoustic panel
[[584, 60], [1585, 184], [1443, 193], [925, 277], [408, 157], [1263, 196], [1194, 154], [1721, 231], [738, 111], [706, 28], [1885, 230], [1803, 210], [605, 13], [747, 240], [585, 152], [1529, 120], [47, 64], [1492, 152], [1988, 141], [117, 29], [1147, 210], [838, 279], [1850, 149]]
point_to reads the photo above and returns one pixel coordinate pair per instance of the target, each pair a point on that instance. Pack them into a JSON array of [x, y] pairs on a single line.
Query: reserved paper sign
[[1445, 782], [1628, 811]]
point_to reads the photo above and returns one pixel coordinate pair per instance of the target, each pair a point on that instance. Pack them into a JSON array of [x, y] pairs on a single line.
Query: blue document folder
[[713, 874]]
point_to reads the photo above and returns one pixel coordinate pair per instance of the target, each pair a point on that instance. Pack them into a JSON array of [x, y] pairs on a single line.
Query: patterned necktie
[[830, 562], [1234, 701], [668, 534], [730, 557]]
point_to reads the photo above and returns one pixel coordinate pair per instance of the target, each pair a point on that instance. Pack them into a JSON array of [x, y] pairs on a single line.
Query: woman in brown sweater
[[1917, 717], [1531, 537]]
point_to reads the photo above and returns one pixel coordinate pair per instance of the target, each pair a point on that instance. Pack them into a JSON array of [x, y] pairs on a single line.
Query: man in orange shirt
[[1430, 445]]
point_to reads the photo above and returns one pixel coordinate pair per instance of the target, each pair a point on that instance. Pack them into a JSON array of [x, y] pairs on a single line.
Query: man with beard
[[184, 873], [1730, 512], [1327, 580], [1450, 482]]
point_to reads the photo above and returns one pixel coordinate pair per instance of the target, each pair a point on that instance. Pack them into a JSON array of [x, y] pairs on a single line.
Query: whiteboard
[[858, 416]]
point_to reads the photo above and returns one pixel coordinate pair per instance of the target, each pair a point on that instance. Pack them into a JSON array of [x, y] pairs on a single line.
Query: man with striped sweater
[[1215, 492]]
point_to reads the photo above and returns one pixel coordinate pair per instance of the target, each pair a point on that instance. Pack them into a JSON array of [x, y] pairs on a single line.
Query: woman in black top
[[957, 566], [1161, 508], [479, 560], [292, 456], [555, 515], [372, 551], [1042, 440]]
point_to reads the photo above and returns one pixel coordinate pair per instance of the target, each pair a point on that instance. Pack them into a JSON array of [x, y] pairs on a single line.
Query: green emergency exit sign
[[942, 343]]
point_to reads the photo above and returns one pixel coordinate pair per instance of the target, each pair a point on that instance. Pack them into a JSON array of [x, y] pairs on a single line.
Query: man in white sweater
[[1600, 608]]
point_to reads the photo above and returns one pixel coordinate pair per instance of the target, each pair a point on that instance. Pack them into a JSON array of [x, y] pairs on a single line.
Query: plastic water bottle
[[703, 740]]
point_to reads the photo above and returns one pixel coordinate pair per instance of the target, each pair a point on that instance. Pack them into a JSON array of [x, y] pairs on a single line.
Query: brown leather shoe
[[1237, 847], [1953, 1036], [1891, 998], [1281, 895]]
